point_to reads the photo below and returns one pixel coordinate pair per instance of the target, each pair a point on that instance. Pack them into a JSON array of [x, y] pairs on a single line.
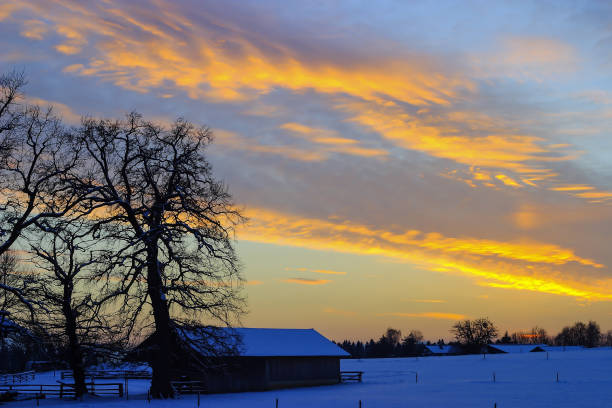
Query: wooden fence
[[189, 387], [351, 376], [15, 378], [112, 374], [62, 390]]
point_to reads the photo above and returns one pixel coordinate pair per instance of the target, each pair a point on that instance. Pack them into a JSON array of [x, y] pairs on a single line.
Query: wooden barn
[[253, 359]]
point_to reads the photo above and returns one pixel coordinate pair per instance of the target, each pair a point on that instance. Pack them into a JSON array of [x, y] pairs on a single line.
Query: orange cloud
[[60, 109], [161, 47], [323, 271], [314, 153], [254, 282], [489, 262], [34, 29], [234, 141], [332, 141], [328, 272], [572, 188], [306, 281], [447, 138], [427, 300], [7, 9], [276, 227], [144, 48]]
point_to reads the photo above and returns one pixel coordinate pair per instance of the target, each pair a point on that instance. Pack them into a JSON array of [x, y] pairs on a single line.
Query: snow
[[256, 342], [522, 380]]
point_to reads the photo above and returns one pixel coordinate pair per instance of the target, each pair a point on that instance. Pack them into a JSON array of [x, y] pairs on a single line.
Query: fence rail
[[63, 390], [351, 376], [14, 378], [189, 387], [112, 374]]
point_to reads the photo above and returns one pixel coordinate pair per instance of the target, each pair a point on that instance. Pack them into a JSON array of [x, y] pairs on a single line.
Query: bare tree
[[170, 225], [33, 162], [9, 277], [474, 333], [64, 255], [11, 85]]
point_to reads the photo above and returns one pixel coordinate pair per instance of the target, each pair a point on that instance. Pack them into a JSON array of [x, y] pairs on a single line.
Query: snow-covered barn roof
[[441, 349], [561, 348], [516, 348], [258, 342]]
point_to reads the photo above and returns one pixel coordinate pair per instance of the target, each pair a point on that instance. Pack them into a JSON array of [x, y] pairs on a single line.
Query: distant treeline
[[471, 335]]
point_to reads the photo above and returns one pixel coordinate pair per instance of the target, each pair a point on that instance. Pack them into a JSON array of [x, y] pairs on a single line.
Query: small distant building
[[514, 348], [253, 359], [442, 350], [561, 348]]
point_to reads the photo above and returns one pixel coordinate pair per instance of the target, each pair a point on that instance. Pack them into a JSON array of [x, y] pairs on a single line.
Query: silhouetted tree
[[505, 339], [410, 342], [171, 224], [474, 333], [580, 334], [607, 339], [33, 161], [64, 257]]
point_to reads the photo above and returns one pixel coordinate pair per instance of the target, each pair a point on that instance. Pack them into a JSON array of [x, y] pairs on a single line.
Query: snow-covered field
[[522, 380]]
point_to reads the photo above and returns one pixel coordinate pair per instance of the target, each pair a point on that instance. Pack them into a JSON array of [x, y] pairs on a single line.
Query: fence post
[[61, 390], [416, 377], [198, 399], [277, 403], [359, 403], [557, 376], [493, 376], [120, 390]]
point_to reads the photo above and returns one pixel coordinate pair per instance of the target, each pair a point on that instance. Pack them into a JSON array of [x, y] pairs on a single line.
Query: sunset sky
[[402, 163]]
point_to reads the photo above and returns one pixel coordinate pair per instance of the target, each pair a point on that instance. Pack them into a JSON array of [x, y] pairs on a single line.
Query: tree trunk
[[160, 383], [75, 355]]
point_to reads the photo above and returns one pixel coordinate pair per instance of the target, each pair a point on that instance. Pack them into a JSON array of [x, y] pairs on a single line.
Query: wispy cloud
[[426, 300], [254, 282], [306, 281], [34, 29], [323, 271], [60, 109], [527, 58]]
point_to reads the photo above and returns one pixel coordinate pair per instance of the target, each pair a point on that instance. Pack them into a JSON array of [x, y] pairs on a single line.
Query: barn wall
[[240, 374], [302, 371], [264, 373]]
